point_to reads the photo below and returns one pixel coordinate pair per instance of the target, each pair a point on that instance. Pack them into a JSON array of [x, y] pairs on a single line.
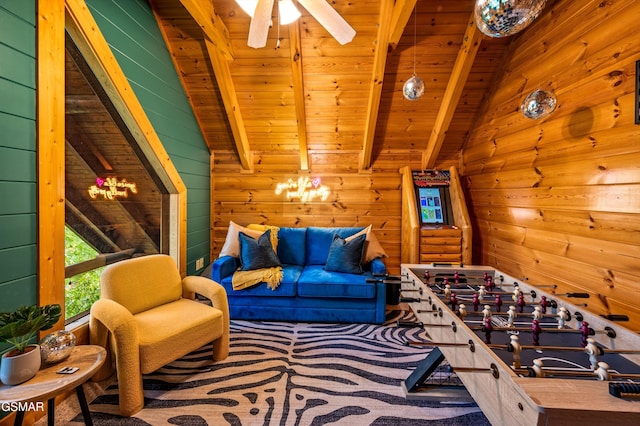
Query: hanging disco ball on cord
[[538, 104], [502, 18], [413, 88]]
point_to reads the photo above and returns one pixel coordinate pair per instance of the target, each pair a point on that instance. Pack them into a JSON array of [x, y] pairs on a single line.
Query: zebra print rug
[[293, 374]]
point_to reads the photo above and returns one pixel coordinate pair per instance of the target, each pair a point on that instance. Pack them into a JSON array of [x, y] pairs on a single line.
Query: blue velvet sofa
[[307, 291]]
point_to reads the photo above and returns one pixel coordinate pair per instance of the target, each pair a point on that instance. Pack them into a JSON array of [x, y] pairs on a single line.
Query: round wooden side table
[[48, 383]]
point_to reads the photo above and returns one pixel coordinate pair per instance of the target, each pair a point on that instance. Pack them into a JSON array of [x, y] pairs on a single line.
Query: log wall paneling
[[556, 201]]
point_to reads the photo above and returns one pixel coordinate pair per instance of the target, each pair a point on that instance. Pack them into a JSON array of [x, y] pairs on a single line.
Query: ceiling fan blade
[[259, 28], [330, 20]]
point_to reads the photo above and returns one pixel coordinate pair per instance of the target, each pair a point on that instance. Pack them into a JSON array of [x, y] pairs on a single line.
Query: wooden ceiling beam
[[401, 14], [232, 107], [295, 49], [457, 80], [212, 26], [377, 78]]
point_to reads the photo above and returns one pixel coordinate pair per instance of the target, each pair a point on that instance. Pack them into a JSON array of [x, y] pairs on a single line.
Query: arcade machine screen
[[432, 196], [430, 206]]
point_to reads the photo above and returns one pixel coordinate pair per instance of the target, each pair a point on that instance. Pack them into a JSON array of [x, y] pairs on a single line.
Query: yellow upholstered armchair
[[147, 317]]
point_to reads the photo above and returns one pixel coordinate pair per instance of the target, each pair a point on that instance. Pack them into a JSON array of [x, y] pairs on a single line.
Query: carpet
[[293, 374]]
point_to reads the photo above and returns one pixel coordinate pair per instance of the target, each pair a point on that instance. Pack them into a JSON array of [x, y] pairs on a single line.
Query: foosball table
[[526, 355]]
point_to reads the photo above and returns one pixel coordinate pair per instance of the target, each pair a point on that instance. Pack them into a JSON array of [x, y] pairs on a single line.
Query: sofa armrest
[[378, 267], [222, 267]]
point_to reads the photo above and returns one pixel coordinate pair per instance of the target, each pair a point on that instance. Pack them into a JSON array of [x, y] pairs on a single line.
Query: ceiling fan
[[260, 12]]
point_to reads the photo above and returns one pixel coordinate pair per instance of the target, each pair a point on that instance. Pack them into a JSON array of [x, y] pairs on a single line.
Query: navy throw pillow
[[257, 254], [345, 256]]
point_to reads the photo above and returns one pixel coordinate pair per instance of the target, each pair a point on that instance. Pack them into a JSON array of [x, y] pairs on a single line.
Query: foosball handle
[[618, 388], [409, 324], [616, 317], [578, 295], [409, 299]]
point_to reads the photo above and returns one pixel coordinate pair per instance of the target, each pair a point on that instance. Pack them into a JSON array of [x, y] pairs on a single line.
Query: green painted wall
[[132, 32], [18, 285], [135, 39]]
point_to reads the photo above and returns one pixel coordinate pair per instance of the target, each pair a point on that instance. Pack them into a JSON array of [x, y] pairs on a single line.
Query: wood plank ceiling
[[305, 93]]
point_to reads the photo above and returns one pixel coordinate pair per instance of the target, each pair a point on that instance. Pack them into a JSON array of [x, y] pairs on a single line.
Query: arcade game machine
[[435, 220]]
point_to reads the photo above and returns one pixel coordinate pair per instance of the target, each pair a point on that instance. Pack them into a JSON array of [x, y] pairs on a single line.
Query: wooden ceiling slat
[[466, 56], [232, 108], [377, 78], [211, 24]]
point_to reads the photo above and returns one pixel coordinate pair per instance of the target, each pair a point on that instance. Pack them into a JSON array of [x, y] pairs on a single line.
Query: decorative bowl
[[57, 346]]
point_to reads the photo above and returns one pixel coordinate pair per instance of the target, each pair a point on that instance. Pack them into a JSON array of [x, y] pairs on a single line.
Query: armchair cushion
[[166, 330]]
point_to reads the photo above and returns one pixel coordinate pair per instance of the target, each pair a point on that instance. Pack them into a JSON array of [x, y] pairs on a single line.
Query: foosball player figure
[[462, 311], [475, 301], [486, 312], [488, 328], [592, 350], [521, 303], [427, 276], [563, 316], [498, 302], [482, 292], [535, 332], [512, 314], [543, 304], [516, 293], [453, 301], [537, 367], [515, 347], [456, 278], [490, 283], [537, 313], [447, 292], [603, 371]]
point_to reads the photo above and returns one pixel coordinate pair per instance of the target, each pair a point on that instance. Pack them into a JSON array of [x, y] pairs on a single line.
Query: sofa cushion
[[345, 256], [316, 282], [257, 254], [372, 248], [292, 244], [231, 245], [287, 287], [319, 240]]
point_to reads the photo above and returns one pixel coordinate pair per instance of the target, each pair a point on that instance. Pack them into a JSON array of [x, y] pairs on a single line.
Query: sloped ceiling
[[305, 93]]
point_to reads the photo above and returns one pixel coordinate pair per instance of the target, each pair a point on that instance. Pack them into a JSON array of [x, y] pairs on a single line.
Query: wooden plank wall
[[356, 199], [18, 230], [557, 201]]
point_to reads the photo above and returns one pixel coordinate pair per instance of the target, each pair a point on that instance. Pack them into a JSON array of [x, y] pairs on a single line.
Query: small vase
[[20, 368]]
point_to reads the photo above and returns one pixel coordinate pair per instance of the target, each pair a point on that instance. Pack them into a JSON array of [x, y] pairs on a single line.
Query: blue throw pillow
[[257, 254], [345, 256]]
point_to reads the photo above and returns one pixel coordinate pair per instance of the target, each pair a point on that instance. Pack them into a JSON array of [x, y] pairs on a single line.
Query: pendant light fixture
[[502, 18], [538, 104], [413, 88]]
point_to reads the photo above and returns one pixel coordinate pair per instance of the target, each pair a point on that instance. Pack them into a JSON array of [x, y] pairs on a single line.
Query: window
[[115, 205]]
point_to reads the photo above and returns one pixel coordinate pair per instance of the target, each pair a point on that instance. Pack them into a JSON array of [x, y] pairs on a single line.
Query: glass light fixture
[[288, 12], [538, 104], [502, 18], [413, 88]]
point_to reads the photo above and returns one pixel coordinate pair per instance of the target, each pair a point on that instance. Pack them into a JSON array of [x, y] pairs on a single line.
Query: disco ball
[[502, 18], [413, 88], [538, 104], [57, 346]]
